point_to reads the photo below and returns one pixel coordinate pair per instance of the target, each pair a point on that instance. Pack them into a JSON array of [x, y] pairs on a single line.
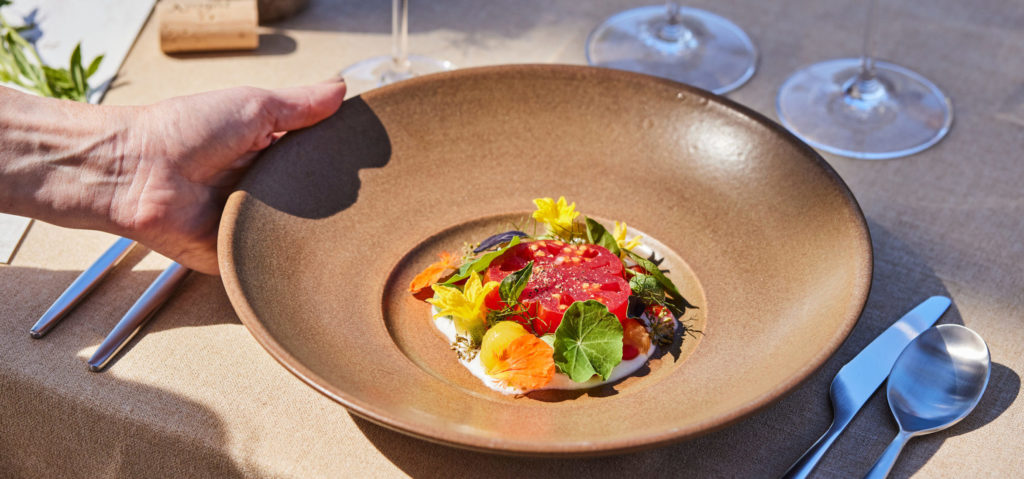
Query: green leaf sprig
[[512, 286], [510, 290], [597, 234], [674, 299], [20, 65], [480, 263]]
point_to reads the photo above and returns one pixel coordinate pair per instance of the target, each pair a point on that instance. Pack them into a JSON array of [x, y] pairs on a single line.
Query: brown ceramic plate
[[319, 244]]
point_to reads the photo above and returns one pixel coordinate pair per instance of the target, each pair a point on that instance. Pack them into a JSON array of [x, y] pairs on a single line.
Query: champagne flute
[[864, 108], [400, 65], [687, 45]]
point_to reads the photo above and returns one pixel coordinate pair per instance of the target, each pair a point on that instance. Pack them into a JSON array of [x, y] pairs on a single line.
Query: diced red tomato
[[562, 274], [639, 269]]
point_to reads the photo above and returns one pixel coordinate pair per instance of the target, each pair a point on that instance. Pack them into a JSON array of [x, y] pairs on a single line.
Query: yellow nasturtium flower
[[558, 216], [620, 237], [467, 304]]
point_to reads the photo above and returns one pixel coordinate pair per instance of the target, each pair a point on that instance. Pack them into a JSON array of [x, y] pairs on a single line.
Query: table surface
[[196, 395]]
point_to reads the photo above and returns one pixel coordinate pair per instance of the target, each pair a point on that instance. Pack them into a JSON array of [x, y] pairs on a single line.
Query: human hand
[[183, 156]]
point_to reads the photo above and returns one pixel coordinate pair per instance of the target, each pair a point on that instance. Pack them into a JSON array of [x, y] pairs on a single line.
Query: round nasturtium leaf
[[588, 341]]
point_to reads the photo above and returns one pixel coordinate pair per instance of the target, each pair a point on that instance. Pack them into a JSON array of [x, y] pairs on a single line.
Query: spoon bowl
[[937, 381]]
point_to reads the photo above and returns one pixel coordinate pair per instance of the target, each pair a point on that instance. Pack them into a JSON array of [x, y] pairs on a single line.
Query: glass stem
[[866, 89], [867, 58], [400, 35], [673, 13], [674, 30]]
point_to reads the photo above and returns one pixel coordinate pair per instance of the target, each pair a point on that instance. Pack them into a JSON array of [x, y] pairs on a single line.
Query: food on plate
[[570, 307]]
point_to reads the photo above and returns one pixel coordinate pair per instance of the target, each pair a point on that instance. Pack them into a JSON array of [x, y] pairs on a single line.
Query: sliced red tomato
[[562, 274]]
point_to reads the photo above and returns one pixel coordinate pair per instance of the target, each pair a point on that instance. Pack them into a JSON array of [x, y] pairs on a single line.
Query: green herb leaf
[[21, 65], [95, 65], [597, 234], [588, 341], [647, 288], [480, 263], [77, 72], [512, 286], [677, 298]]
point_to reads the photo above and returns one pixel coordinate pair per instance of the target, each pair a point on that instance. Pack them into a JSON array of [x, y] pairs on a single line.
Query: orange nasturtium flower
[[434, 272], [527, 363]]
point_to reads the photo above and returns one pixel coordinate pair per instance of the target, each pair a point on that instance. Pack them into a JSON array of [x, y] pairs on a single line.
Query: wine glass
[[692, 46], [400, 65], [864, 108]]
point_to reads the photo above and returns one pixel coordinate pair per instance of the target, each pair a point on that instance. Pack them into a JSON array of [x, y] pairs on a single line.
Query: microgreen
[[588, 341]]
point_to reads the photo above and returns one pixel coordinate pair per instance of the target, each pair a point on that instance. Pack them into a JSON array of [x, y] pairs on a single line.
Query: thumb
[[299, 107]]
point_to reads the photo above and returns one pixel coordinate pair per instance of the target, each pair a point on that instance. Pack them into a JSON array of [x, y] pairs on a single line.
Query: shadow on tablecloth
[[109, 427]]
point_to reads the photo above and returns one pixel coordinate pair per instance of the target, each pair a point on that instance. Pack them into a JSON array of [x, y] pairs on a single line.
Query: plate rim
[[247, 316]]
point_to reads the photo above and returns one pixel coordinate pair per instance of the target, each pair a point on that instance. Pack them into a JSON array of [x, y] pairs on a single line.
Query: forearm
[[60, 161]]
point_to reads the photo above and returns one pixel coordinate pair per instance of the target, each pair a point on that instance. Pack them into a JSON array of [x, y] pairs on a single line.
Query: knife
[[133, 321], [81, 287], [860, 377]]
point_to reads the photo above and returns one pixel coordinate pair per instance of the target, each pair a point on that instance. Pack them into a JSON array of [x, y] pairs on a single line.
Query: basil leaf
[[678, 301], [597, 234], [588, 341], [95, 65], [480, 263], [513, 285], [77, 72], [497, 240]]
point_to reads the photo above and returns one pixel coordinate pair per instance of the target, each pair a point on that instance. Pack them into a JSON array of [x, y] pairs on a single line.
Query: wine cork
[[207, 25]]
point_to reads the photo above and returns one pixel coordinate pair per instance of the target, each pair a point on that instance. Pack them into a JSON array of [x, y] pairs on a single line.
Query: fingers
[[299, 107]]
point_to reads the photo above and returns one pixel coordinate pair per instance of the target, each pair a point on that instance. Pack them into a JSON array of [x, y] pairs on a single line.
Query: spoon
[[936, 382]]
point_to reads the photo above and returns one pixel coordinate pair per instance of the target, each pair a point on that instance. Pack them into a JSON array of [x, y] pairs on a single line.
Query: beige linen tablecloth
[[196, 396]]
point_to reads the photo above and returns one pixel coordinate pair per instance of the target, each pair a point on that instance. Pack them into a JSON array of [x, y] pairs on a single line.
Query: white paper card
[[12, 229]]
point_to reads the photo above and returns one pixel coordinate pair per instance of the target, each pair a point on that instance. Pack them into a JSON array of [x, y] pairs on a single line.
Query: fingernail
[[336, 79]]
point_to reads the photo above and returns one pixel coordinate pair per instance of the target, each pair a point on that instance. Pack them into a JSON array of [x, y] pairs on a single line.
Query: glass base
[[895, 113], [379, 71], [703, 50]]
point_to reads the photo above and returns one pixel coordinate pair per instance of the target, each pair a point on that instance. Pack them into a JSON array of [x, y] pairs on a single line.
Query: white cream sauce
[[446, 325]]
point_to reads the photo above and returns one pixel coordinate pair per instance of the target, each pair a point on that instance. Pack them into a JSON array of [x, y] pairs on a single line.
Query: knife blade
[[859, 378]]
